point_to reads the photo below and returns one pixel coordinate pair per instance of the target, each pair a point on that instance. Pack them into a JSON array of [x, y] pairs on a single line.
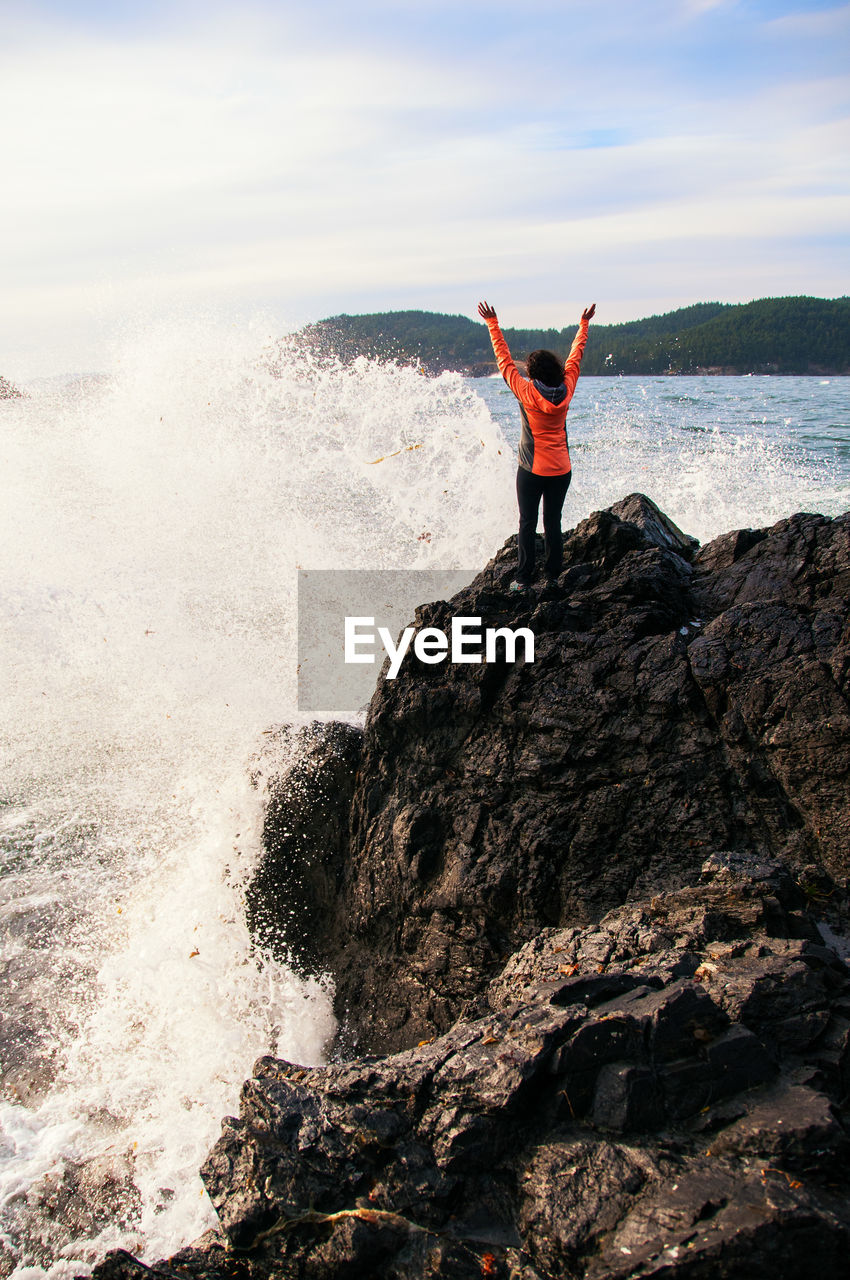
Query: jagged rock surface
[[659, 1095], [605, 891], [309, 773], [681, 701]]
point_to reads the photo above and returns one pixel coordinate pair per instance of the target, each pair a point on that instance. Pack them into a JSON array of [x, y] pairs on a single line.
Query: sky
[[291, 161]]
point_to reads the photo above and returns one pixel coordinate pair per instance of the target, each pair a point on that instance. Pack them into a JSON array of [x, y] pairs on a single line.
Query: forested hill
[[772, 335]]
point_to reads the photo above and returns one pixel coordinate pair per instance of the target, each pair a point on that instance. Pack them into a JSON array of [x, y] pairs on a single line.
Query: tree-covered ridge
[[771, 335]]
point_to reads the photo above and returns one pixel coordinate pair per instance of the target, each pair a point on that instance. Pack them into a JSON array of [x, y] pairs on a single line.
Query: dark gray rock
[[658, 528], [72, 1202], [605, 1117], [309, 778], [595, 906], [682, 702]]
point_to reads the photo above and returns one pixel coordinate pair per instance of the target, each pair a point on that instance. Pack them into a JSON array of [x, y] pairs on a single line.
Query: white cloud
[[245, 162]]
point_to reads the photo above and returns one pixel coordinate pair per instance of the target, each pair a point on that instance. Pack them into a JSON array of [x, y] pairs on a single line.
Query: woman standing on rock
[[544, 469]]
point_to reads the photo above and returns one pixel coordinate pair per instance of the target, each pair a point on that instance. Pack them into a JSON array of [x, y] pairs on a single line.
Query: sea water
[[715, 453], [153, 519]]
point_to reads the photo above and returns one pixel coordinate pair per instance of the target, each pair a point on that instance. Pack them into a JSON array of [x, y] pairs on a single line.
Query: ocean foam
[[155, 520]]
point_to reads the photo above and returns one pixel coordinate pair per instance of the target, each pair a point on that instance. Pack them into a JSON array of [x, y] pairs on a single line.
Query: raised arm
[[507, 368], [573, 360]]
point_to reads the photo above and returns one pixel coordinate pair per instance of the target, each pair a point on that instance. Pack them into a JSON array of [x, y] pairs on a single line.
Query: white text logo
[[432, 645]]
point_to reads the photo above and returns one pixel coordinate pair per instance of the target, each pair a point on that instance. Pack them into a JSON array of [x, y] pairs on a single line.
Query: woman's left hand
[[486, 312]]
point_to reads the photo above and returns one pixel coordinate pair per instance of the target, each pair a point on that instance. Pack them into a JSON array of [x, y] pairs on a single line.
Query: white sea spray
[[153, 521]]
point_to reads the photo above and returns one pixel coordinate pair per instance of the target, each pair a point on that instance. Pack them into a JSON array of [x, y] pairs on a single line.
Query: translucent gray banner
[[326, 597]]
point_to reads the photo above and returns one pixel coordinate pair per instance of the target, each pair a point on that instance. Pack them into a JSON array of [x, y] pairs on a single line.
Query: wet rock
[[67, 1206], [683, 702], [712, 1220], [656, 527], [309, 775], [795, 1126], [594, 910], [572, 1195], [608, 1115], [627, 1098], [83, 1196]]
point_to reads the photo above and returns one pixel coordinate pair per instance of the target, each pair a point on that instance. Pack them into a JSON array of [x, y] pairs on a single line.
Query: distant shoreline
[[773, 337]]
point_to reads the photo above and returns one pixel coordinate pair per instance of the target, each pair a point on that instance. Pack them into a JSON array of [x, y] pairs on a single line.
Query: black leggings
[[529, 490]]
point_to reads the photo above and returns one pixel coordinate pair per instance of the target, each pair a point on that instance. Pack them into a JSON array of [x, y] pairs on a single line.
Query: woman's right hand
[[486, 312]]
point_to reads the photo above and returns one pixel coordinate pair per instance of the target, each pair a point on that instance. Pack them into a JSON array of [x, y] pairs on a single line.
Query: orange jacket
[[543, 446]]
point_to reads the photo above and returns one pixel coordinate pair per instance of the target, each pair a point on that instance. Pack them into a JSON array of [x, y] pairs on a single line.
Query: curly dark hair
[[545, 367]]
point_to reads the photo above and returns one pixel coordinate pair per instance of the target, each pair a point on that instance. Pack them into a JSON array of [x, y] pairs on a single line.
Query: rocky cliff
[[594, 908], [681, 701]]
